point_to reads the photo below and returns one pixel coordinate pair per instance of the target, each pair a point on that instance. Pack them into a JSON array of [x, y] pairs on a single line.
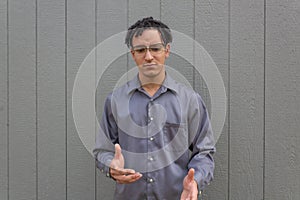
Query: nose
[[148, 56]]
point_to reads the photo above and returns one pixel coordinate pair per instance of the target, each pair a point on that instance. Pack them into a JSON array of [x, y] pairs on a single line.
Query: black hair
[[148, 23]]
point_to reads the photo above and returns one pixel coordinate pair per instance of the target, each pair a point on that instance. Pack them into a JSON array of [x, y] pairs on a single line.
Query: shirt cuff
[[104, 165], [198, 177]]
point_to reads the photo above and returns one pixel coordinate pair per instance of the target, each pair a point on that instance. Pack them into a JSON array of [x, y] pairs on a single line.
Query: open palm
[[117, 170], [190, 187]]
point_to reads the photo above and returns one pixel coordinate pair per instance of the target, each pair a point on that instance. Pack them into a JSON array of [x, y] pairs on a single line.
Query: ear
[[168, 50], [132, 54]]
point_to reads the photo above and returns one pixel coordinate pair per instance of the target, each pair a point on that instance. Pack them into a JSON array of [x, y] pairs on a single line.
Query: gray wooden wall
[[255, 44]]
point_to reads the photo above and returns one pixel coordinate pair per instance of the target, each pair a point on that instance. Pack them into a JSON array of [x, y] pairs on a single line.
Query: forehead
[[149, 36]]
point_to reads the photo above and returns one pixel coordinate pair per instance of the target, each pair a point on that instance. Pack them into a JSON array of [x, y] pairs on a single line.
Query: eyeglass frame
[[148, 48]]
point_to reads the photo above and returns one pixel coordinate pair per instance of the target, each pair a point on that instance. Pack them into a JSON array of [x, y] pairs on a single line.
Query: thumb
[[118, 150], [191, 174]]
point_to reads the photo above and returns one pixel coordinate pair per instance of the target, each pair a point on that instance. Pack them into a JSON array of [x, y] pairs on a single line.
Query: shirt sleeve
[[106, 137], [202, 142]]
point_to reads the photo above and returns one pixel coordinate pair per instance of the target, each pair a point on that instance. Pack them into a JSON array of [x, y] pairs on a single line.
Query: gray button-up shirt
[[162, 137]]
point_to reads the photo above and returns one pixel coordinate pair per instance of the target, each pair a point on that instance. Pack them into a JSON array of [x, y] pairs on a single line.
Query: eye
[[140, 50], [155, 49]]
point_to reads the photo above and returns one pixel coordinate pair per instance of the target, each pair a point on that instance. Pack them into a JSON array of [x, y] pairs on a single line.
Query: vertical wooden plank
[[22, 99], [211, 31], [282, 118], [80, 41], [111, 19], [246, 99], [138, 9], [3, 102], [179, 16], [51, 100]]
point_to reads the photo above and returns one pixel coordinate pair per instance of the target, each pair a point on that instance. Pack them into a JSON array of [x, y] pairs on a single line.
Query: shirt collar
[[169, 83]]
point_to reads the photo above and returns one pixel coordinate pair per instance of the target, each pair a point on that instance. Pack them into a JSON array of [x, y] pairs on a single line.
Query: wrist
[[109, 174]]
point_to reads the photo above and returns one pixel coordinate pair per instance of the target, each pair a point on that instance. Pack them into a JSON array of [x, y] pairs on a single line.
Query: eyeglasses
[[154, 49]]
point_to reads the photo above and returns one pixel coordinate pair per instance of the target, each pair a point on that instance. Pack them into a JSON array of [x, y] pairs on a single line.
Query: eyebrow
[[145, 45]]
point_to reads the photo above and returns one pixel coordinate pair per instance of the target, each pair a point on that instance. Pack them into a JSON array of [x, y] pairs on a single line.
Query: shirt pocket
[[175, 137]]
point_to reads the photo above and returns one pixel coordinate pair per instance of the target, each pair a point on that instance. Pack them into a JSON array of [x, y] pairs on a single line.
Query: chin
[[151, 74]]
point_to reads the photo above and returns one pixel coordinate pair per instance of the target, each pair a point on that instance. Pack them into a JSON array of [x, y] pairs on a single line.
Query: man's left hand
[[190, 187]]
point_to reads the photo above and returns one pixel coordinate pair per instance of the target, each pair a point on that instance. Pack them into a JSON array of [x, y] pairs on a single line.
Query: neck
[[152, 84]]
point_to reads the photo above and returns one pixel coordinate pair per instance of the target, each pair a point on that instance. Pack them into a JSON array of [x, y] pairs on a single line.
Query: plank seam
[[160, 4], [36, 100], [95, 43], [7, 111], [66, 101], [229, 81], [127, 55], [194, 38], [264, 106]]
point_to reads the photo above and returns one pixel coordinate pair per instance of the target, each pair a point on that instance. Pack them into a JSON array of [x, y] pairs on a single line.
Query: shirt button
[[151, 158], [151, 139], [151, 118], [150, 180]]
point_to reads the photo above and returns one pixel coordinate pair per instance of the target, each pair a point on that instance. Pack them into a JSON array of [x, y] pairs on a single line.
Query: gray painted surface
[[80, 33], [211, 31], [282, 114], [179, 16], [22, 100], [255, 45], [3, 102], [246, 99], [111, 19], [51, 115]]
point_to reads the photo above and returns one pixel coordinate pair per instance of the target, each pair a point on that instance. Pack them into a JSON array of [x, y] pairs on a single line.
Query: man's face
[[151, 60]]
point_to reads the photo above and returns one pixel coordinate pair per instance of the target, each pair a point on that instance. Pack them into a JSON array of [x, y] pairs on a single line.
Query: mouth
[[149, 65]]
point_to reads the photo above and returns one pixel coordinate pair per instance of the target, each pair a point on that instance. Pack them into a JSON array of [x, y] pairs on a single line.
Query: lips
[[149, 65]]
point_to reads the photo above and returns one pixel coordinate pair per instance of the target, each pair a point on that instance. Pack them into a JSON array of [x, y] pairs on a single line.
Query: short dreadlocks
[[148, 23]]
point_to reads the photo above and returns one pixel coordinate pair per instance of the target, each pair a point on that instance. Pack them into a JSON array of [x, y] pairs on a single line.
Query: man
[[159, 129]]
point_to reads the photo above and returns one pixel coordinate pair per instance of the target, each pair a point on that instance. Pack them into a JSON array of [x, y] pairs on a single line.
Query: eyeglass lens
[[154, 48]]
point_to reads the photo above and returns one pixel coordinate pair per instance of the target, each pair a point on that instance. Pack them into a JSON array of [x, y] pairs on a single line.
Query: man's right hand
[[117, 170]]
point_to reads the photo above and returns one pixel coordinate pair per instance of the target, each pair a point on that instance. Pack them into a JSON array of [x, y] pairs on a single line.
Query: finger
[[120, 171], [186, 197], [118, 175], [193, 195], [128, 179], [191, 174], [118, 151]]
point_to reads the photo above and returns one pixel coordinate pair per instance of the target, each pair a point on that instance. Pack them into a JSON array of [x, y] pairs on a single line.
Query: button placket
[[151, 158], [150, 117], [150, 180]]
